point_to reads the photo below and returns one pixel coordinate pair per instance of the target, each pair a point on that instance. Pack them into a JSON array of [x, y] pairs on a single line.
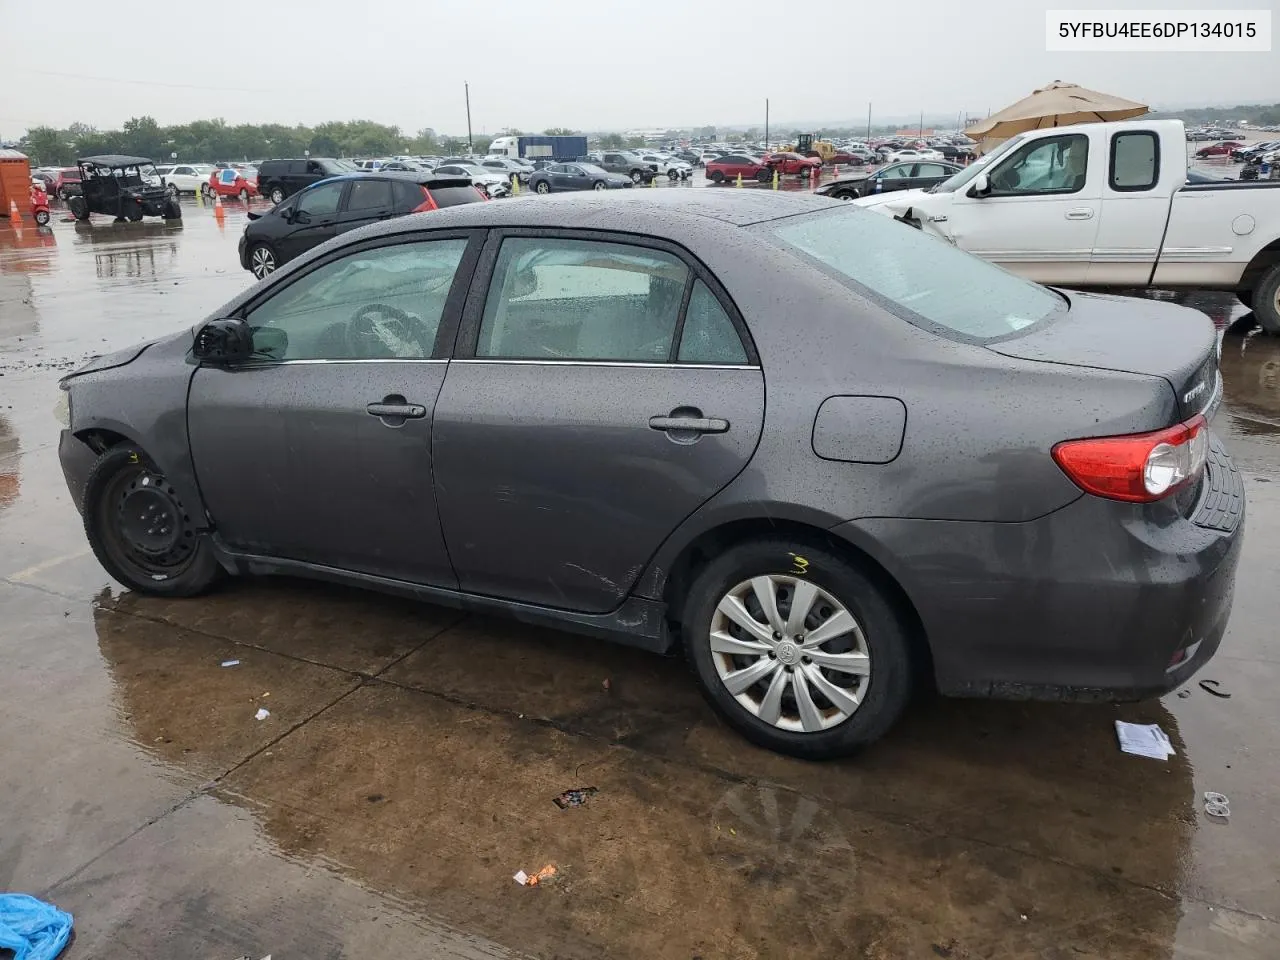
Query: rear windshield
[[452, 196], [921, 279]]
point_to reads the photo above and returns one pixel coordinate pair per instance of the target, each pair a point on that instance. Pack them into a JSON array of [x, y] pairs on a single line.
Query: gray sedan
[[832, 458]]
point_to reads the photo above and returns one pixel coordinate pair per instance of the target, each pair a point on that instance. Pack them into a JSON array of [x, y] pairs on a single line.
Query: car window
[[581, 300], [380, 304], [369, 195], [297, 166], [1052, 165], [453, 196], [1135, 161], [709, 335], [931, 170], [896, 173], [322, 200], [408, 195], [922, 279]]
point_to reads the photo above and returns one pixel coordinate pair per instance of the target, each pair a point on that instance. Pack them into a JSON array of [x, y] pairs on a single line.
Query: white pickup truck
[[1107, 205]]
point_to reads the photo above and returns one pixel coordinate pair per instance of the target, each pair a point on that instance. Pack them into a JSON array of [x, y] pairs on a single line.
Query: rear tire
[[276, 194], [764, 176], [172, 211], [543, 187], [1266, 300], [716, 176], [78, 208], [636, 176], [244, 195], [206, 191], [843, 725], [41, 218], [140, 531]]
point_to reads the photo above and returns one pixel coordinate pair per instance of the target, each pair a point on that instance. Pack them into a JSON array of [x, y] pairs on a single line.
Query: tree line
[[208, 141]]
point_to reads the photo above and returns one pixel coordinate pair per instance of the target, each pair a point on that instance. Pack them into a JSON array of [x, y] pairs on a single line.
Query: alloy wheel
[[277, 195], [790, 653], [262, 261]]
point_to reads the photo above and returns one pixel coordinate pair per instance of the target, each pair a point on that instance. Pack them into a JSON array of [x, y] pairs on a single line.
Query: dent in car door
[[567, 445]]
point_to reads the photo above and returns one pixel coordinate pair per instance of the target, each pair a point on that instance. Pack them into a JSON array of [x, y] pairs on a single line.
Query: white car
[[185, 177], [674, 168], [494, 184], [898, 156]]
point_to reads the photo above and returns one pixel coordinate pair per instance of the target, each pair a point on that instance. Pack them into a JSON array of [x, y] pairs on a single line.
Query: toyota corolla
[[830, 457]]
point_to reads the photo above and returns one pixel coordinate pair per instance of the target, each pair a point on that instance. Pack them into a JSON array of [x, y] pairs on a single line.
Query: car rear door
[[367, 200], [602, 390], [319, 449], [314, 219], [1136, 198]]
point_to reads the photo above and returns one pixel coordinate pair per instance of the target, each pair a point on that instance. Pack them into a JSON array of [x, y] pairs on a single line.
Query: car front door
[[1040, 216], [578, 426], [366, 201], [314, 219], [319, 449]]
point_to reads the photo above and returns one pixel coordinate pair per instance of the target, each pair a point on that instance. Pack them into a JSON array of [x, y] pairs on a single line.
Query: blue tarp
[[32, 929]]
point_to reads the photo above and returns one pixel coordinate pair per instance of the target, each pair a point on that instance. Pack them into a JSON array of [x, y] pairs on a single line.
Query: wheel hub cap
[[788, 653], [150, 521]]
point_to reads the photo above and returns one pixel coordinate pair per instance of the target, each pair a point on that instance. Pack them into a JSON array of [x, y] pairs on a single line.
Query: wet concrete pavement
[[407, 767]]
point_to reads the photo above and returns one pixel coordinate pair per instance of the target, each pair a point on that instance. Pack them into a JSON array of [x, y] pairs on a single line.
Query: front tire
[[206, 191], [543, 187], [41, 218], [262, 261], [636, 176], [172, 210], [1266, 300], [140, 531], [78, 208], [276, 195], [599, 185], [818, 682], [717, 176], [846, 195]]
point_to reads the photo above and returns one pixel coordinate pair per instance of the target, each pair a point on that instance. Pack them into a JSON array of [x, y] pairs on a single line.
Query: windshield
[[958, 180], [924, 280]]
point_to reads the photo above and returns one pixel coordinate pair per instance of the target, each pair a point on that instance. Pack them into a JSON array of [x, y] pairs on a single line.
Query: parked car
[[668, 166], [897, 176], [1251, 152], [856, 514], [331, 207], [48, 179], [793, 163], [849, 158], [576, 176], [278, 179], [229, 182], [123, 187], [912, 153], [1012, 207], [514, 169], [1222, 149], [736, 165], [628, 164], [493, 183], [66, 183], [183, 178]]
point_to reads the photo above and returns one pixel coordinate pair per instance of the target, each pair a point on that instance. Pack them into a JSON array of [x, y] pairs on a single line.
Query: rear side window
[[452, 196], [297, 166], [1135, 161], [709, 335], [582, 300], [408, 195], [921, 279], [369, 195]]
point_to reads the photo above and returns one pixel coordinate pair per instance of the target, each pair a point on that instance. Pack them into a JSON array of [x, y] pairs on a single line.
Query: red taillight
[[428, 204], [1140, 468]]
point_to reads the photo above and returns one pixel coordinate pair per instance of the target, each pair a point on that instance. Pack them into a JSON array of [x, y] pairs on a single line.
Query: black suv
[[278, 179], [324, 210]]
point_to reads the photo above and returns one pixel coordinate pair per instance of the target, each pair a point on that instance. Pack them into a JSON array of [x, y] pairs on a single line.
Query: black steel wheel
[[140, 530]]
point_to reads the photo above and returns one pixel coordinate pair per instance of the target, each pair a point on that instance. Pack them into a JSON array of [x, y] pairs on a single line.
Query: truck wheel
[[277, 194], [1266, 300]]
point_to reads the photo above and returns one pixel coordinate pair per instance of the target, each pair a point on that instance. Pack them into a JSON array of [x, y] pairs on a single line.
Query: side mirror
[[223, 341], [980, 187], [299, 216]]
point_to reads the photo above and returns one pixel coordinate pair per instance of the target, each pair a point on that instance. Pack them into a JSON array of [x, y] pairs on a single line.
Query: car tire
[[1266, 300], [845, 195], [262, 261], [837, 588], [244, 195], [172, 210], [63, 195], [276, 194], [41, 217], [599, 185], [172, 190], [542, 187], [159, 552], [716, 176], [764, 176], [78, 208], [637, 176], [206, 191], [134, 214], [673, 174]]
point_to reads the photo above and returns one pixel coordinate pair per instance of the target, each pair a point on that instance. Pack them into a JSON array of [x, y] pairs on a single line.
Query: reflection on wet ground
[[410, 756]]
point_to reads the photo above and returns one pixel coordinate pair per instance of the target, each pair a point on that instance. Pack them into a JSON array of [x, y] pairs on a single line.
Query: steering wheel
[[377, 331]]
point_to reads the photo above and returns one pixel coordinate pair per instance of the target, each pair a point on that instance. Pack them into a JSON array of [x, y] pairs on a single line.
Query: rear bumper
[[1099, 600]]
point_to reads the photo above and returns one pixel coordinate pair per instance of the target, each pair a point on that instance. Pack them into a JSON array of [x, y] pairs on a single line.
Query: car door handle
[[689, 424], [396, 407], [1080, 213]]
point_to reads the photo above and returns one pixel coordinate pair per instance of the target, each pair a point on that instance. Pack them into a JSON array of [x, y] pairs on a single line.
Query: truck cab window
[[1052, 165], [1135, 160]]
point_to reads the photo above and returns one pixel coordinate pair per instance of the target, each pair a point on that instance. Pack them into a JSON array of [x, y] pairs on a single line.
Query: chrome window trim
[[663, 365]]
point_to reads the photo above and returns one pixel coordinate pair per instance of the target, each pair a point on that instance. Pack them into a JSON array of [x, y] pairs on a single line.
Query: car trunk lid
[[1130, 335]]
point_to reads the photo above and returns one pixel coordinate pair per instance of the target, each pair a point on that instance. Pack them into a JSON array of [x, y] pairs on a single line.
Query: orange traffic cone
[[218, 213], [835, 170], [14, 216]]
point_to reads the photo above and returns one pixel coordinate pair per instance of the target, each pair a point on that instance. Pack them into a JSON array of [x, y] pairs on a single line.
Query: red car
[[788, 163], [852, 159], [736, 164], [67, 183], [232, 183], [1222, 149]]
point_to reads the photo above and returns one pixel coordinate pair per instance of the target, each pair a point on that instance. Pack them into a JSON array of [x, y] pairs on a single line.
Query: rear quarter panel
[[1214, 232]]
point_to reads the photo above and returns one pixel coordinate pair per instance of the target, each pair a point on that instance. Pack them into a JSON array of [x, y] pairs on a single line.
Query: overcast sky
[[586, 64]]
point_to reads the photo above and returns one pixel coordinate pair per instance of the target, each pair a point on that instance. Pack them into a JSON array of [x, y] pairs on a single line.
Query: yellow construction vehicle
[[808, 145]]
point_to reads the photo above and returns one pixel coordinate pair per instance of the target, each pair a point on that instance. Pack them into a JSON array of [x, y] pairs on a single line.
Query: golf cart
[[127, 188]]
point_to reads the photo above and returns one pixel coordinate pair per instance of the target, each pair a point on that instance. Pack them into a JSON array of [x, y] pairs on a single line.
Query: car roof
[[114, 160]]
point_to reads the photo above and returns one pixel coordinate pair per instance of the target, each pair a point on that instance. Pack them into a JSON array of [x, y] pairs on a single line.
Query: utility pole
[[766, 123], [466, 89], [920, 131], [868, 119]]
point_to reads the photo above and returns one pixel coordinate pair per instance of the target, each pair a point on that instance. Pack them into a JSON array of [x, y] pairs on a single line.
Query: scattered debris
[[262, 713], [1211, 686], [32, 928], [575, 797], [1144, 740], [525, 880], [231, 663], [1217, 805]]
